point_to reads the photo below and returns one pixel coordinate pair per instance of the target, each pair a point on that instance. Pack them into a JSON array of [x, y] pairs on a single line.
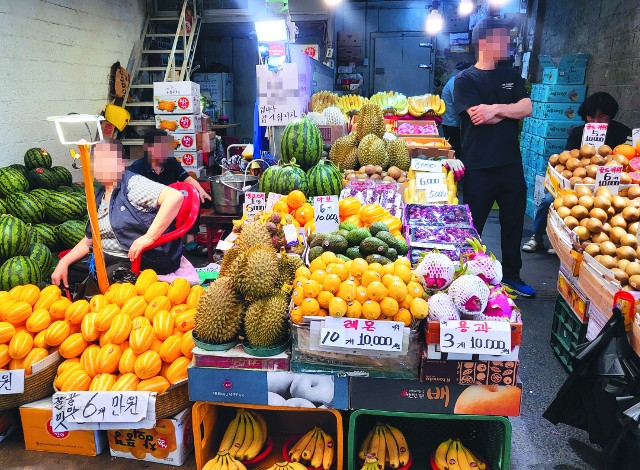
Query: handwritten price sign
[[272, 199], [11, 381], [475, 337], [327, 218], [609, 176], [594, 134], [432, 166], [253, 202], [361, 334]]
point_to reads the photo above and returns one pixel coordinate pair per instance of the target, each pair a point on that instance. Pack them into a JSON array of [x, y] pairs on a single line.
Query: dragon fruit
[[500, 305], [470, 295], [441, 308], [483, 265], [435, 271]]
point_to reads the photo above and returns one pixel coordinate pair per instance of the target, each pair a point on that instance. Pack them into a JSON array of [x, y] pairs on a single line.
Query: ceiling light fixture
[[465, 7], [434, 21], [498, 2], [333, 2]]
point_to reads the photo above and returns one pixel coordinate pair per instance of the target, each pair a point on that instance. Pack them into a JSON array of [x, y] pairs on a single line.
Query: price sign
[[475, 337], [594, 134], [253, 202], [11, 381], [325, 209], [71, 410], [424, 179], [354, 333], [272, 199], [185, 122], [437, 193], [432, 166], [635, 136], [183, 102], [609, 176]]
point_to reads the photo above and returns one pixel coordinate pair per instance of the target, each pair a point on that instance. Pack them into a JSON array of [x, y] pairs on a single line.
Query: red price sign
[[183, 102], [187, 141], [310, 51], [188, 159], [185, 122]]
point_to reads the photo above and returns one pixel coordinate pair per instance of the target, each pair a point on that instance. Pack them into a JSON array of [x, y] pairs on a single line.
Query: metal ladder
[[156, 28]]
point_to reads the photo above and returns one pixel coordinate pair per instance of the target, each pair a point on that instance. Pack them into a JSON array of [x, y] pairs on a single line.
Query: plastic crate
[[211, 419], [562, 352], [489, 436], [570, 329]]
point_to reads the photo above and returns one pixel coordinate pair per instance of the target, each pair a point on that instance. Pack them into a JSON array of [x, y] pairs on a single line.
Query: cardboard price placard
[[635, 137], [11, 381], [425, 180], [594, 134], [253, 202], [325, 209], [475, 337], [361, 334], [432, 166], [437, 193], [271, 200], [609, 176]]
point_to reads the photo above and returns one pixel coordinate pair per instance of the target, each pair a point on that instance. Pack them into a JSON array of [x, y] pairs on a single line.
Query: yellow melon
[[147, 365]]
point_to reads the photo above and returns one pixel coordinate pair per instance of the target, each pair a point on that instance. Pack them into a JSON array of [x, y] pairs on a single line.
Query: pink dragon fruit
[[484, 265], [441, 308], [470, 295], [435, 271], [500, 305]]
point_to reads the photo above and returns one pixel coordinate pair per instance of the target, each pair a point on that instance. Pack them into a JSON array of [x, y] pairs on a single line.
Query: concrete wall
[[610, 31], [56, 57]]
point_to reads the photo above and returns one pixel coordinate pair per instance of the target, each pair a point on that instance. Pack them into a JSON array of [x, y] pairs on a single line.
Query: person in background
[[133, 212], [601, 108], [450, 120], [159, 165], [490, 101]]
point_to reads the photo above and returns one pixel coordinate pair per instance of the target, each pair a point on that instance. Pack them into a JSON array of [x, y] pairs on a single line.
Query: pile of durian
[[251, 295], [370, 144]]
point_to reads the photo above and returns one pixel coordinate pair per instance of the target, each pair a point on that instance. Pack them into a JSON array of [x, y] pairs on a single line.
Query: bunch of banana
[[351, 104], [315, 447], [322, 100], [427, 103], [452, 455], [224, 461], [287, 466], [245, 436], [370, 463], [413, 195], [391, 102], [387, 444]]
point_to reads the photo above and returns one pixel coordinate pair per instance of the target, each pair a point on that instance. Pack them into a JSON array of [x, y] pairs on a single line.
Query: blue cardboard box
[[547, 146], [554, 129], [277, 388], [558, 93], [557, 111], [570, 70]]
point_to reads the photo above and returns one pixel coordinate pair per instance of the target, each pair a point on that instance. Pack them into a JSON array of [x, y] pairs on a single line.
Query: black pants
[[79, 270], [452, 134], [506, 186]]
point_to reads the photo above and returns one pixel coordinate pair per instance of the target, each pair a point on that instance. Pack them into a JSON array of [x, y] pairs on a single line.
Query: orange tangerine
[[328, 257], [295, 199], [406, 302], [403, 315], [304, 213], [368, 277], [337, 307], [404, 273], [310, 307], [296, 315], [388, 279], [402, 261], [415, 289], [339, 269], [371, 310], [354, 309], [311, 288], [324, 298], [323, 312], [377, 291], [281, 206], [361, 294], [318, 276], [297, 296], [309, 226], [303, 271], [332, 283], [627, 150], [388, 307], [347, 291], [419, 308], [398, 290], [299, 281], [316, 264], [377, 267], [388, 269], [356, 281]]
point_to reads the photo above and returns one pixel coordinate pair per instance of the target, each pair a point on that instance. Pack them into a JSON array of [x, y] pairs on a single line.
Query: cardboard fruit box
[[468, 372]]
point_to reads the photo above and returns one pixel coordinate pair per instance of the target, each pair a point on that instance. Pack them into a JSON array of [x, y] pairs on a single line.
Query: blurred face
[[599, 118], [496, 45], [160, 150], [108, 163]]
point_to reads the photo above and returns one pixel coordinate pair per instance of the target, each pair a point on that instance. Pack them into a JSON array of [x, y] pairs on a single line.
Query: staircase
[[164, 53]]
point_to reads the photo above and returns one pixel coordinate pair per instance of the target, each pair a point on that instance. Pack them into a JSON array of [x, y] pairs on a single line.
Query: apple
[[496, 400]]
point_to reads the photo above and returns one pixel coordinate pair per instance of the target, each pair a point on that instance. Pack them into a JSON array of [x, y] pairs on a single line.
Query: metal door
[[397, 61]]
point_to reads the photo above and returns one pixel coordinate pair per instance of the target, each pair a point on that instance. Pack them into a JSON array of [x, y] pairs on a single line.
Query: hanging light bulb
[[434, 22], [465, 7], [332, 2], [498, 2]]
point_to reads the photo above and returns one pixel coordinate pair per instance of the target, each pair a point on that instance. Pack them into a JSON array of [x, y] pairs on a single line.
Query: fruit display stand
[[211, 419], [489, 437]]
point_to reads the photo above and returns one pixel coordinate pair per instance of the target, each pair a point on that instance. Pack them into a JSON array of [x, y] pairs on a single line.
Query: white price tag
[[437, 193], [81, 408], [11, 381], [271, 200], [609, 176], [290, 234], [325, 209], [224, 245], [232, 237], [424, 180], [594, 134], [635, 137], [475, 337], [432, 166], [356, 333], [253, 202]]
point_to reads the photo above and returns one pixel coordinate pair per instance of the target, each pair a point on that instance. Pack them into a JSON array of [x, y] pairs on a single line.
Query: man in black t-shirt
[[490, 101]]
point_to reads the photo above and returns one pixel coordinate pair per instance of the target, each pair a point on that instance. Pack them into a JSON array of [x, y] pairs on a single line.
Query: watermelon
[[21, 168], [42, 178], [37, 158], [3, 207], [325, 179], [64, 175], [12, 181], [302, 141], [66, 189], [70, 233], [266, 183], [290, 177], [14, 237], [41, 255], [41, 194], [60, 207], [47, 234], [18, 271], [26, 207]]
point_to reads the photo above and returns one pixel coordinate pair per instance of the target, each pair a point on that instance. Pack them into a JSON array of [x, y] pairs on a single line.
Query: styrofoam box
[[176, 88]]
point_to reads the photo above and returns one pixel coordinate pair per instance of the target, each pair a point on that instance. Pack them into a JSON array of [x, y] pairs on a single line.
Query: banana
[[249, 437], [230, 433], [217, 462], [366, 444], [296, 451], [327, 457], [307, 453], [318, 451], [465, 459], [392, 447], [238, 440], [382, 447], [370, 463], [440, 455], [403, 448], [224, 462], [296, 466], [235, 462], [263, 424], [452, 456], [257, 440], [472, 459], [374, 445]]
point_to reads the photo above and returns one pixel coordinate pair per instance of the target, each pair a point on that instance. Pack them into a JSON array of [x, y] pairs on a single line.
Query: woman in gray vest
[[133, 212]]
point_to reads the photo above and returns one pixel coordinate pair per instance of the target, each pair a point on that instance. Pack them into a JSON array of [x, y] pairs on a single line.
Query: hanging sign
[[11, 381], [356, 333], [475, 337], [278, 95], [253, 202], [594, 134], [609, 176], [325, 209]]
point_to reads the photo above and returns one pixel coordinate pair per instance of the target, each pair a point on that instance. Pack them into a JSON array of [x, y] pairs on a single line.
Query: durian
[[287, 266], [228, 259], [265, 321], [253, 233], [218, 316], [372, 151], [399, 154], [255, 272], [344, 152], [370, 121]]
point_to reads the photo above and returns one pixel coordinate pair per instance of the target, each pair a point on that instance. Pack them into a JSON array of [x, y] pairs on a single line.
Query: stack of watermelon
[[41, 211]]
